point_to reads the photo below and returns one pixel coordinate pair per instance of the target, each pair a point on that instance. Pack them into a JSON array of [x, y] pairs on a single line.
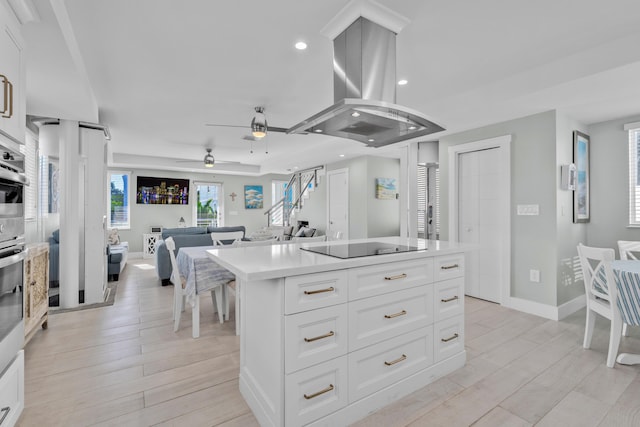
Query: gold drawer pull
[[319, 291], [330, 334], [391, 316], [453, 337], [398, 360], [399, 276], [318, 393], [449, 299], [449, 267]]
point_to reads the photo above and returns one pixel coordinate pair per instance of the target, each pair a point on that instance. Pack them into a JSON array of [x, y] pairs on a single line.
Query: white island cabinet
[[326, 341]]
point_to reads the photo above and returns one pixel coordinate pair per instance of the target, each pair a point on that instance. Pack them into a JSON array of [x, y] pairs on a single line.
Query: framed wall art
[[253, 198], [385, 188], [581, 193]]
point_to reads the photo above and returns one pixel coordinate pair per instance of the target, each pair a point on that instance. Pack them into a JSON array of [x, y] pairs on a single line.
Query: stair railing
[[297, 186]]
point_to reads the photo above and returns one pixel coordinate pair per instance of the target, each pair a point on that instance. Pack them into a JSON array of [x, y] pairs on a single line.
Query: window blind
[[422, 200], [634, 177], [31, 171]]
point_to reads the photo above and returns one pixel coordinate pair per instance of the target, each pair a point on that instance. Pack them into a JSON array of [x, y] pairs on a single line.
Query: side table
[[149, 244], [36, 289]]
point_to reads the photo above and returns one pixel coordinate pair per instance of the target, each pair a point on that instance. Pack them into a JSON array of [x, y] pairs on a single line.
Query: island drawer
[[315, 336], [448, 298], [375, 319], [389, 277], [317, 290], [378, 366], [448, 267], [316, 391], [448, 338]]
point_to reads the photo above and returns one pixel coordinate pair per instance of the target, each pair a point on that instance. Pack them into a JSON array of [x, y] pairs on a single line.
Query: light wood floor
[[124, 366]]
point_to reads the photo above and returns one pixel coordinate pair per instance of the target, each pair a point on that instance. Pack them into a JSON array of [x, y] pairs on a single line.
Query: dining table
[[202, 274], [627, 277]]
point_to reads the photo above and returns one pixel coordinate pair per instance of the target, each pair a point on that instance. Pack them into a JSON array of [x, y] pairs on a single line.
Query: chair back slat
[[231, 237], [175, 274]]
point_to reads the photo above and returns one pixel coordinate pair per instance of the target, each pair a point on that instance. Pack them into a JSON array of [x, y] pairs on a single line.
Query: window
[[634, 175], [118, 200], [208, 209]]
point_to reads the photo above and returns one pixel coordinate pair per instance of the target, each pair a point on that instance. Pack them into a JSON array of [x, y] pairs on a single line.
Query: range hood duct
[[364, 92]]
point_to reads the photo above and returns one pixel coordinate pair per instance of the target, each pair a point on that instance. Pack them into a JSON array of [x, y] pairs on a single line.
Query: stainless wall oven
[[12, 253]]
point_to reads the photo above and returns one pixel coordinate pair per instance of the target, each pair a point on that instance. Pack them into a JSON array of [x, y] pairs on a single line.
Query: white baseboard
[[135, 255], [545, 310], [571, 307]]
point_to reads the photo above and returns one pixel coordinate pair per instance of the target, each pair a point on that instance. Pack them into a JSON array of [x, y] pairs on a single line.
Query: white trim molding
[[545, 310], [503, 143]]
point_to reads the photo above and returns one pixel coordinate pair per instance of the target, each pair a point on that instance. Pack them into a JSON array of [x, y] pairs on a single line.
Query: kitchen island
[[327, 340]]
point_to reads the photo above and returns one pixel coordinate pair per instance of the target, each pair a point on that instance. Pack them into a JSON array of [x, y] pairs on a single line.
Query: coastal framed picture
[[385, 188], [253, 198], [581, 193]]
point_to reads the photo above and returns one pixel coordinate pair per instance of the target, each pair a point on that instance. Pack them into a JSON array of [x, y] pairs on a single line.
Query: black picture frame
[[581, 148]]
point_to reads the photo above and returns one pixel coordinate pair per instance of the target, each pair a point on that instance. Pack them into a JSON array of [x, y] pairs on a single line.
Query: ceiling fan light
[[209, 160], [259, 124]]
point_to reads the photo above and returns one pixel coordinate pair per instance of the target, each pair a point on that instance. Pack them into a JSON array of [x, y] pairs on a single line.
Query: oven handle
[[13, 259], [13, 177]]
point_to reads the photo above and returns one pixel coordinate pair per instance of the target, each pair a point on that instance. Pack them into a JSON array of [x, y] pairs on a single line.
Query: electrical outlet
[[534, 276]]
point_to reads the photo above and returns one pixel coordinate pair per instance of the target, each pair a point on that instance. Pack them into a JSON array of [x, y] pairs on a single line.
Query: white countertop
[[287, 259]]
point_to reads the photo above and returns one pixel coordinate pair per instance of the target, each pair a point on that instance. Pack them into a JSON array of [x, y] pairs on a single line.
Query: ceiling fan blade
[[250, 138], [275, 129], [227, 126]]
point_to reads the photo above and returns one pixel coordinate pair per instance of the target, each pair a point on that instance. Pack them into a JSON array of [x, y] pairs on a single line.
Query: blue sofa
[[185, 237], [54, 257]]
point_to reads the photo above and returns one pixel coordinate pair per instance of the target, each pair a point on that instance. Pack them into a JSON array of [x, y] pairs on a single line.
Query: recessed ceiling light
[[412, 128], [295, 167], [341, 155], [301, 45], [355, 114], [318, 131], [371, 140], [403, 82]]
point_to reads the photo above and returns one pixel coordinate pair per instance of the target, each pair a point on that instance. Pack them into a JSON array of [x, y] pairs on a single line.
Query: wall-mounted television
[[162, 191]]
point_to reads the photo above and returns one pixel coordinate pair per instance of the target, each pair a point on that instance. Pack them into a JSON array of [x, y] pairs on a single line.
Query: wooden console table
[[36, 289]]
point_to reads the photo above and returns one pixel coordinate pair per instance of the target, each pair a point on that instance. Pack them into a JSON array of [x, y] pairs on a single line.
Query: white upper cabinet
[[12, 77]]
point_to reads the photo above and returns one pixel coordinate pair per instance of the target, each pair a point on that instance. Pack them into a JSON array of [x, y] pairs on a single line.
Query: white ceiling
[[155, 71]]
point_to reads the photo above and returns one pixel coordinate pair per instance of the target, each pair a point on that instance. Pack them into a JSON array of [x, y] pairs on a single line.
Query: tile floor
[[123, 365]]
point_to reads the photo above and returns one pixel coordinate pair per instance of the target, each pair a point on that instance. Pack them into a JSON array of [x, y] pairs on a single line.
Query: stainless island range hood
[[364, 91]]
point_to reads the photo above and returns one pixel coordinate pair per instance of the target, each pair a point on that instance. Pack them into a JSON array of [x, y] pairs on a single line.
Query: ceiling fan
[[208, 160], [259, 127]]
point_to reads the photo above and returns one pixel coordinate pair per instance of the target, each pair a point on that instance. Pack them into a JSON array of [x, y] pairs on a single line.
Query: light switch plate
[[528, 209]]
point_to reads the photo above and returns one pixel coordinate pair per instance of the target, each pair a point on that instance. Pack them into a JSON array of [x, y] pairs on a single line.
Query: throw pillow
[[309, 232], [113, 238], [301, 232]]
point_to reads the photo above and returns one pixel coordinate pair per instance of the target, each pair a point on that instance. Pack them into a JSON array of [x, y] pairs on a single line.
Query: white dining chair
[[231, 237], [629, 250], [179, 295], [309, 239], [264, 242], [334, 235], [601, 293]]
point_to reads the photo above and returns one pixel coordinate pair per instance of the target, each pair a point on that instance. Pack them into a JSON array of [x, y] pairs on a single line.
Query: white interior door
[[338, 202], [479, 204]]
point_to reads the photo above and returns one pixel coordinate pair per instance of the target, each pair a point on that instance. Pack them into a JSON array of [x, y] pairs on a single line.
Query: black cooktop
[[355, 250]]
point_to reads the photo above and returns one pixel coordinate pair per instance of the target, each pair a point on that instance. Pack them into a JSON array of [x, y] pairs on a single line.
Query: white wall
[[533, 181], [167, 216], [368, 216], [383, 216], [609, 180]]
